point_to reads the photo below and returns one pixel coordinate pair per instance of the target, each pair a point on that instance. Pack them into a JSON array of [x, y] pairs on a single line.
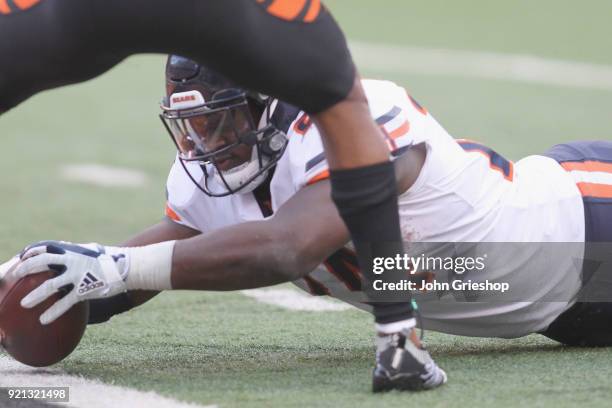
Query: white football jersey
[[465, 193]]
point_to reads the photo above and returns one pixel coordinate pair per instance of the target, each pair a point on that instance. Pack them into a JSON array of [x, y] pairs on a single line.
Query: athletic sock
[[366, 199]]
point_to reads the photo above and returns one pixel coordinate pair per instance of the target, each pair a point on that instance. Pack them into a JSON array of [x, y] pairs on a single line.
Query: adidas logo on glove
[[89, 283]]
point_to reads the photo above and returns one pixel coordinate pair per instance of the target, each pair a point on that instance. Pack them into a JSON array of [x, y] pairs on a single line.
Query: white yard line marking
[[396, 59], [294, 300], [103, 176], [84, 393]]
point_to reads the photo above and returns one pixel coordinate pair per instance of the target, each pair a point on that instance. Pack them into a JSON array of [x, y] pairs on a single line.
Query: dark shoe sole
[[385, 384]]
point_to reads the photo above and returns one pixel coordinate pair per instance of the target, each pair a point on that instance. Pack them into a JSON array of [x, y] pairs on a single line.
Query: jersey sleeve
[[401, 119], [179, 193]]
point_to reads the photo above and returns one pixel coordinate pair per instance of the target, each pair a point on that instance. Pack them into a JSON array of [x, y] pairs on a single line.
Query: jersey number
[[496, 161]]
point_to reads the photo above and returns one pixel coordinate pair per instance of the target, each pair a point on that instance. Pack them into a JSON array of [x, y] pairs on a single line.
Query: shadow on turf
[[492, 347], [257, 357]]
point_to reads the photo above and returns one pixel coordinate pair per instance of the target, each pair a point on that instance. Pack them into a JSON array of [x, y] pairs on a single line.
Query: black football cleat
[[404, 366]]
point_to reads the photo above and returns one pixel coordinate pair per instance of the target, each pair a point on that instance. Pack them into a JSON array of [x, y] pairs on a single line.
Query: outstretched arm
[[303, 232], [301, 235]]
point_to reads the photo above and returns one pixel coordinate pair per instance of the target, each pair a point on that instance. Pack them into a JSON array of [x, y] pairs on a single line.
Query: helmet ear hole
[[273, 142]]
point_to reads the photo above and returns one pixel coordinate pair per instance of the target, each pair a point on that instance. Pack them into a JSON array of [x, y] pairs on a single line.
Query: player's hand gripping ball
[[43, 294], [21, 333]]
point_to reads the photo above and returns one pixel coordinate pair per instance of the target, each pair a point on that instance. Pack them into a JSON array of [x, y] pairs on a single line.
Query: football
[[22, 335]]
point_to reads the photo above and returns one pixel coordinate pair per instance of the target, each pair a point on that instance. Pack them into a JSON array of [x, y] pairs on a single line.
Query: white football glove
[[92, 271], [6, 267]]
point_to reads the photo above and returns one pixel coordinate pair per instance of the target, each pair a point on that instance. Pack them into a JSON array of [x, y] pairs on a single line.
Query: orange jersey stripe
[[286, 9], [4, 8], [319, 177], [588, 166], [390, 142], [315, 287], [595, 190], [354, 270], [171, 214], [302, 125], [400, 131], [338, 276], [25, 4], [313, 11], [510, 177]]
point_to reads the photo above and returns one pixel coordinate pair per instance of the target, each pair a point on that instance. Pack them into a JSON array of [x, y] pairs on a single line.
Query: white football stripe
[[597, 177], [396, 59], [103, 176], [84, 393], [294, 300]]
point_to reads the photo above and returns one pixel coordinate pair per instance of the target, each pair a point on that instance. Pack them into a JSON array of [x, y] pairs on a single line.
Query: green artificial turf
[[229, 350]]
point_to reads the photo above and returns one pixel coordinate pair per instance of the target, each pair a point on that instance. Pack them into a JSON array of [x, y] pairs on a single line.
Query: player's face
[[214, 134], [217, 132]]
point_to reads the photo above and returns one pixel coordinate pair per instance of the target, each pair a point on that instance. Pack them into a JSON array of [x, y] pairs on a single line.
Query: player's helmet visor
[[207, 131]]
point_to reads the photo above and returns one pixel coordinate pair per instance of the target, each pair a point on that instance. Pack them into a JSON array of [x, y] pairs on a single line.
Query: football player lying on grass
[[249, 206]]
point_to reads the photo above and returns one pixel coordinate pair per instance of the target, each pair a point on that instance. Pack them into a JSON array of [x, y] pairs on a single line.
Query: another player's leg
[[364, 190], [323, 81], [320, 78]]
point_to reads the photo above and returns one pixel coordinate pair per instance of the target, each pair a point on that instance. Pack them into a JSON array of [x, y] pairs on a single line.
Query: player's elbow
[[292, 258]]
